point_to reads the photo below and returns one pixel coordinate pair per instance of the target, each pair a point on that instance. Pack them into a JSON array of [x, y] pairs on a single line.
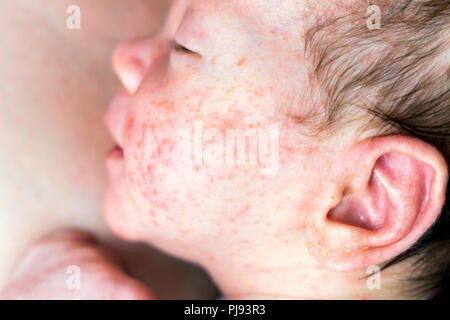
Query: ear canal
[[353, 211]]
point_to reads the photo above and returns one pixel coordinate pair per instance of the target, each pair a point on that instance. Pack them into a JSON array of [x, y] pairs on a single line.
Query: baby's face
[[180, 182]]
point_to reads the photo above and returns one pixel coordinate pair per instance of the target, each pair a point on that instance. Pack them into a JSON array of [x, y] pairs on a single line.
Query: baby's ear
[[393, 192]]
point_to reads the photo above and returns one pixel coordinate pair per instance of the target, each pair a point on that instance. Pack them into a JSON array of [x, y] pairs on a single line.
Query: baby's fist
[[68, 264]]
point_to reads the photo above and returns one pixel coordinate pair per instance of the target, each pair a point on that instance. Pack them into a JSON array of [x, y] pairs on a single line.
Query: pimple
[[230, 90], [241, 62], [129, 125], [161, 103], [170, 106], [259, 92], [243, 211]]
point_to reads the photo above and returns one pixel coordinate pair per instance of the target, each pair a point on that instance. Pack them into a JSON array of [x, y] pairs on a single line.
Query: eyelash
[[179, 48]]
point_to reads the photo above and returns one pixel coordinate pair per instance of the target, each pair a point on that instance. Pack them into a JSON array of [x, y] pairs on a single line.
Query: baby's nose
[[132, 60]]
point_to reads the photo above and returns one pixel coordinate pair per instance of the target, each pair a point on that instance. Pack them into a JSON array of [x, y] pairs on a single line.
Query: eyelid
[[174, 45]]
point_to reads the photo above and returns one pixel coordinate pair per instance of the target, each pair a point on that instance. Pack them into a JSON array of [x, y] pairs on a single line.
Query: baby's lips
[[116, 115]]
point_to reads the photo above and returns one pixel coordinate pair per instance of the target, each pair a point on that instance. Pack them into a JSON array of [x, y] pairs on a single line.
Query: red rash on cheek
[[129, 126], [167, 105], [239, 214], [143, 135], [231, 121], [259, 92], [177, 193]]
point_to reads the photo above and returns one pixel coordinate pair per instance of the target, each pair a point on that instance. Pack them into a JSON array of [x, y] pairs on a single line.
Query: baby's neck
[[252, 283], [278, 273]]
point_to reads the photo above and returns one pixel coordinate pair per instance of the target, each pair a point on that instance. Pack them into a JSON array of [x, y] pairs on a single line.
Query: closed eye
[[175, 46]]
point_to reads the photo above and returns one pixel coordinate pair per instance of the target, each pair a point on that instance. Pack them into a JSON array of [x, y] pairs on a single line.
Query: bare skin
[[339, 202], [55, 84]]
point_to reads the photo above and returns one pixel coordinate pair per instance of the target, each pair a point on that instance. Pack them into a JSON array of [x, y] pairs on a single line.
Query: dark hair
[[397, 78]]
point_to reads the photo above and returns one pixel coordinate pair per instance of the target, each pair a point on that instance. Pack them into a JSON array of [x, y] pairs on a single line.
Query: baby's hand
[[70, 265]]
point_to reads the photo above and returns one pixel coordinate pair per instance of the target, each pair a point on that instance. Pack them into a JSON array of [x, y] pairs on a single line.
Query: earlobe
[[395, 193]]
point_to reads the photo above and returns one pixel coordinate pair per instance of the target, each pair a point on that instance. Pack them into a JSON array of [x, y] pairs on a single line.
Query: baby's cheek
[[150, 160], [175, 190], [179, 192], [176, 193]]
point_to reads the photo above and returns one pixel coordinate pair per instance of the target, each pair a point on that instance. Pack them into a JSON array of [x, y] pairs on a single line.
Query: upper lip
[[116, 114]]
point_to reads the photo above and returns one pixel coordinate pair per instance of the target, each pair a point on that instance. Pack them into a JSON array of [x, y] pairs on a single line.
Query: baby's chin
[[128, 224], [115, 217], [130, 219], [120, 213]]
